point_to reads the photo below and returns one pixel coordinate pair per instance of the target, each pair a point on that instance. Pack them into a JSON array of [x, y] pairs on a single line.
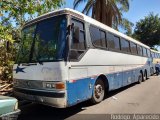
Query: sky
[[138, 9]]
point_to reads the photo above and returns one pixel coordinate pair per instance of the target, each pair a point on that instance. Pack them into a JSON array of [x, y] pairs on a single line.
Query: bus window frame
[[100, 30], [85, 41]]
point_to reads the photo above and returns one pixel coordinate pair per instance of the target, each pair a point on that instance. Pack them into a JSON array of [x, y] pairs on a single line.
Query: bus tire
[[140, 78], [144, 76], [98, 92]]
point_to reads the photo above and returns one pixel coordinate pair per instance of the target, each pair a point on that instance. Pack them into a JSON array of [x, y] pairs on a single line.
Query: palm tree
[[108, 12]]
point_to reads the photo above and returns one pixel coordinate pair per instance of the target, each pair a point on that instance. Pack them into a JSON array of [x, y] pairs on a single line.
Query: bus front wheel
[[98, 92]]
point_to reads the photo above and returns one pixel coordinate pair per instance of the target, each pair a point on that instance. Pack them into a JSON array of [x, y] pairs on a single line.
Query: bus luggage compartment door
[[79, 86]]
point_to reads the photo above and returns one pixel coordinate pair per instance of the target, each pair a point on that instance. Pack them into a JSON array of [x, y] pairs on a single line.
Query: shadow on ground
[[32, 111]]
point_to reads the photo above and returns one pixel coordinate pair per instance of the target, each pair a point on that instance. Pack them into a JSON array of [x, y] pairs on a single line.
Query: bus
[[155, 58], [66, 57]]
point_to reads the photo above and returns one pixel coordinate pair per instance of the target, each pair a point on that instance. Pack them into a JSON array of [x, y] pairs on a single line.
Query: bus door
[[78, 88]]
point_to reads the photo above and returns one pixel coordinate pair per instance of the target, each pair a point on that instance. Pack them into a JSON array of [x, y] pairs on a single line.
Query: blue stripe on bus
[[80, 90]]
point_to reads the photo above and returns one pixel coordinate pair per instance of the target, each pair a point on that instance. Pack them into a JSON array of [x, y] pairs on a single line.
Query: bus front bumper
[[54, 99]]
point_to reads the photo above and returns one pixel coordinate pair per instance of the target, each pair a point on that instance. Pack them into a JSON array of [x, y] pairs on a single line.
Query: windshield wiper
[[59, 59], [28, 64]]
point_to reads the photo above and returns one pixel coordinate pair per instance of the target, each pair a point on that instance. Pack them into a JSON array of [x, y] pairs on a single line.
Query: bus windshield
[[43, 41]]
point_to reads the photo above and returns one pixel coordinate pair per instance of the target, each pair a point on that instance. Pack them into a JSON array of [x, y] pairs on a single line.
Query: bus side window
[[144, 52], [98, 37], [113, 42], [110, 39], [148, 53], [133, 48], [117, 43], [125, 45], [139, 48], [103, 38], [95, 36], [78, 46]]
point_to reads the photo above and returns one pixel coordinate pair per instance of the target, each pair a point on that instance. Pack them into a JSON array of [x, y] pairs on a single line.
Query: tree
[[20, 11], [108, 12], [7, 53], [147, 30]]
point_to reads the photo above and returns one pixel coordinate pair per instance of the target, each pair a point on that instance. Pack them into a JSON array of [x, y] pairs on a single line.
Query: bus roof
[[87, 19]]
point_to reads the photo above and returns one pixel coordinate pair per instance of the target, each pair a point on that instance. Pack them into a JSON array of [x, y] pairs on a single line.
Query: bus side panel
[[115, 80], [126, 77], [79, 90]]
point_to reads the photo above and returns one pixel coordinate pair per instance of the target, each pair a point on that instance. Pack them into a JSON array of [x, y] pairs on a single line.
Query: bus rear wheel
[[98, 92], [140, 78], [145, 76]]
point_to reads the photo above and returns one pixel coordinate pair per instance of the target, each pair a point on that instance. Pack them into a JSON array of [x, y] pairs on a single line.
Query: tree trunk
[[102, 13]]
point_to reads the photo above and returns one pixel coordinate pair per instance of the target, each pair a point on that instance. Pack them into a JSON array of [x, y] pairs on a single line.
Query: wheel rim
[[98, 91]]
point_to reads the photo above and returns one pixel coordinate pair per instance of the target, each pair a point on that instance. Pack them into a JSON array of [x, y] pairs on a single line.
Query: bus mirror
[[69, 29], [76, 34]]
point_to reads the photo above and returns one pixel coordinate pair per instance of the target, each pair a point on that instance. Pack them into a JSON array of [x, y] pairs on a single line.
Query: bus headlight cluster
[[50, 85]]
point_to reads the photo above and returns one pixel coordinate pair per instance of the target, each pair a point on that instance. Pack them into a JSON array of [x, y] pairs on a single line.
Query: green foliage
[[147, 30], [7, 54], [17, 12], [22, 10]]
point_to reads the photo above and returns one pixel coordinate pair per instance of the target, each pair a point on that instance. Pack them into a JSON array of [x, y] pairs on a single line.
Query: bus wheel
[[99, 91], [145, 76], [140, 78]]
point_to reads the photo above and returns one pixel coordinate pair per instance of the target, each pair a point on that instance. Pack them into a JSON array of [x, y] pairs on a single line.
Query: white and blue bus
[[66, 57]]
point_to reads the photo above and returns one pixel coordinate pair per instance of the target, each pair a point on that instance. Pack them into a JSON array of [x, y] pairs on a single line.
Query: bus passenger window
[[110, 39], [133, 48], [95, 36], [125, 45], [148, 53], [144, 52], [113, 42], [98, 37], [103, 38], [140, 52], [116, 43]]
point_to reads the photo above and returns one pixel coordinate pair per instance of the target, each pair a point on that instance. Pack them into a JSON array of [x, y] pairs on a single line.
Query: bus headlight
[[50, 85]]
